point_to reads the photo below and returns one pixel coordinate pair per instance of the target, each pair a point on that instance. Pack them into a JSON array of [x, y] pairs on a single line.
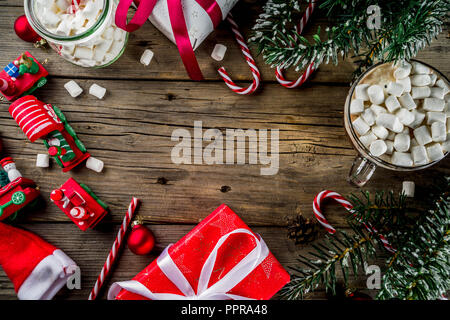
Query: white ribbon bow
[[218, 291]]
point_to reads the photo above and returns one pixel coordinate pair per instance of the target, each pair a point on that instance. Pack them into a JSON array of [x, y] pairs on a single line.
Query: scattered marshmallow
[[147, 57], [360, 126], [390, 122], [94, 164], [73, 88], [435, 152], [378, 148], [433, 104], [376, 94], [408, 188], [392, 103], [395, 89], [419, 154], [422, 135], [402, 159], [42, 160], [356, 106], [404, 116], [219, 52], [402, 142], [438, 131], [420, 92], [97, 91], [407, 101], [380, 131]]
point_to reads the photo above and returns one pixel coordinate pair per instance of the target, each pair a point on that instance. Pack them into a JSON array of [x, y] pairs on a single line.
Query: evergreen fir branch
[[347, 253], [407, 26]]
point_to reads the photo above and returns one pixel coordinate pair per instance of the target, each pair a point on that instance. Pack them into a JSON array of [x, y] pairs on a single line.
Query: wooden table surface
[[131, 128]]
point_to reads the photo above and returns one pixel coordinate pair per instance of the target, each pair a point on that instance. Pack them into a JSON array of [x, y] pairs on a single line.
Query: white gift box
[[198, 22]]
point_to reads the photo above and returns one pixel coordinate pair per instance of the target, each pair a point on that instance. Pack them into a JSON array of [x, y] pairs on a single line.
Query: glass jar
[[365, 163], [83, 32]]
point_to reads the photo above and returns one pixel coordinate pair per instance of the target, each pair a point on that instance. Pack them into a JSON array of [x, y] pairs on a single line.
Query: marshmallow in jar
[[81, 31], [401, 114]]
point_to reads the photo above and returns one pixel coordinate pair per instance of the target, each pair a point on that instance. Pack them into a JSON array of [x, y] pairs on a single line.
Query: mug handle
[[361, 171]]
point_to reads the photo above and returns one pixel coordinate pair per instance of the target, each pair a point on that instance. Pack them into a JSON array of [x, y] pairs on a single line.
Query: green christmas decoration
[[418, 269], [28, 65], [404, 28], [3, 178]]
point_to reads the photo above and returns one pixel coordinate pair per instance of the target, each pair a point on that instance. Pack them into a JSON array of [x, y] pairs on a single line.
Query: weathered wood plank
[[89, 250], [132, 135], [167, 64]]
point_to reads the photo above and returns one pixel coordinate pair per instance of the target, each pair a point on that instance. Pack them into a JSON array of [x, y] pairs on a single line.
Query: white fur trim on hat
[[48, 277]]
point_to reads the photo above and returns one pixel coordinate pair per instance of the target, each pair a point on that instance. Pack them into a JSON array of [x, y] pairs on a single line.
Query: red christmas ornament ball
[[24, 31], [141, 240]]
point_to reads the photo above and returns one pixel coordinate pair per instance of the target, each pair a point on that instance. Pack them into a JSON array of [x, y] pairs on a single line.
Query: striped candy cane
[[349, 207], [250, 61], [115, 249], [310, 69]]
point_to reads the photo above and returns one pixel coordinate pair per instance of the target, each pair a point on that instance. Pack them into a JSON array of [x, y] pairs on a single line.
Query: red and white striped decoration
[[115, 248], [310, 69], [349, 207], [250, 61]]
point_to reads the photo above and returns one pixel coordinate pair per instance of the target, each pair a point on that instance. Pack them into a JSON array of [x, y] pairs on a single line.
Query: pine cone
[[302, 230]]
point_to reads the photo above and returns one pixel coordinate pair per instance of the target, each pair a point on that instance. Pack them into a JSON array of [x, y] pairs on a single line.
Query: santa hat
[[37, 269], [6, 161]]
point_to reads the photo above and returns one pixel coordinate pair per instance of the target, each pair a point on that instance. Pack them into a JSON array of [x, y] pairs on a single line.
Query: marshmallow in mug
[[404, 117]]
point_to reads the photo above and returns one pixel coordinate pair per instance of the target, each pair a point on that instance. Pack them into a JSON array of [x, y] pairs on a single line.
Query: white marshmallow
[[420, 80], [422, 135], [419, 154], [378, 148], [101, 49], [94, 164], [436, 116], [356, 106], [380, 132], [446, 144], [97, 91], [108, 33], [392, 103], [377, 109], [419, 68], [418, 119], [360, 126], [402, 142], [433, 78], [420, 92], [441, 83], [147, 57], [116, 48], [369, 117], [376, 94], [42, 160], [408, 188], [406, 117], [395, 89], [390, 122], [83, 53], [119, 34], [389, 146], [435, 152], [64, 27], [49, 18], [219, 51], [402, 159], [391, 136], [367, 139], [438, 131], [448, 125], [402, 71], [433, 104], [407, 101], [73, 88], [406, 84], [414, 142]]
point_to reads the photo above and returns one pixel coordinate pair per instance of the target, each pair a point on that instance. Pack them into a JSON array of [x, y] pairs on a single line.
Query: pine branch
[[338, 252]]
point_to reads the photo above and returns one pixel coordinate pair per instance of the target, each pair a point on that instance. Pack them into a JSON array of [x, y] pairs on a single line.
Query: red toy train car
[[39, 120], [80, 204], [22, 76]]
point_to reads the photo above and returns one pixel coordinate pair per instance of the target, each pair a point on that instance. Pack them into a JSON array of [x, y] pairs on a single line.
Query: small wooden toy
[[39, 120], [79, 203], [22, 76], [16, 192]]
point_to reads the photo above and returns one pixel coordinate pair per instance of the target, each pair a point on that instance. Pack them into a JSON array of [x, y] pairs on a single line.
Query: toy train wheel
[[18, 198], [41, 82]]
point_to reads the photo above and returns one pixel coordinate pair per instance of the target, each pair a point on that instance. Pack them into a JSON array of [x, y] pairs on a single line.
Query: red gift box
[[226, 235]]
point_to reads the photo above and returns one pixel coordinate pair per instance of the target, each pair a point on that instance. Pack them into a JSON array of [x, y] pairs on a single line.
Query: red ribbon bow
[[178, 22]]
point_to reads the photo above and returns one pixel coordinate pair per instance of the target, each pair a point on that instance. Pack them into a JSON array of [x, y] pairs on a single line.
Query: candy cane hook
[[310, 69], [250, 61], [349, 207]]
